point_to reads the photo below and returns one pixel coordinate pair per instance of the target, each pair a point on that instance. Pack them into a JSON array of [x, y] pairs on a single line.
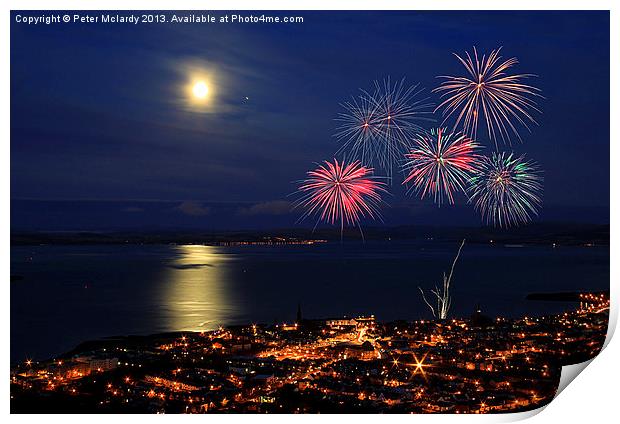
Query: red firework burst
[[441, 163], [341, 192]]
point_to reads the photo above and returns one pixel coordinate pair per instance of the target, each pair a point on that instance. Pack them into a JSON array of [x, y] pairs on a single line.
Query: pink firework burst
[[340, 192], [441, 163]]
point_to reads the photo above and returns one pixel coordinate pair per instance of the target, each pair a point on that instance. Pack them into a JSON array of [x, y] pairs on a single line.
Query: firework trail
[[341, 192], [376, 126], [507, 190], [488, 90], [441, 163], [443, 298]]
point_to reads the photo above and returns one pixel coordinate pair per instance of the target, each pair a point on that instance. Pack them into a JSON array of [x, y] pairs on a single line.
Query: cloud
[[274, 207], [193, 208], [133, 209]]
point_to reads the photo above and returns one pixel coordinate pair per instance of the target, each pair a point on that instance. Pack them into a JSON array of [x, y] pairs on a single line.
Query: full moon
[[200, 90]]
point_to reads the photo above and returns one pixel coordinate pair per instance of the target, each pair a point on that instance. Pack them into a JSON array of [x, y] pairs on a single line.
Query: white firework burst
[[377, 126]]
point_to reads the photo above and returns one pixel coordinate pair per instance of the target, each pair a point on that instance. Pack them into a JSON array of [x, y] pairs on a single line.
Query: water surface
[[69, 294]]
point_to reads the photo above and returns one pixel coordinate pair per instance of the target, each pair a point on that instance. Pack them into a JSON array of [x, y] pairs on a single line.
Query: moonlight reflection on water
[[197, 294]]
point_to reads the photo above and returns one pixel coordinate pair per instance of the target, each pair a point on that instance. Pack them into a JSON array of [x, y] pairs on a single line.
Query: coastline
[[242, 366]]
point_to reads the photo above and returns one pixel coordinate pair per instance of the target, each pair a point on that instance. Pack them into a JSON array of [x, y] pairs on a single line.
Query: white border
[[592, 398]]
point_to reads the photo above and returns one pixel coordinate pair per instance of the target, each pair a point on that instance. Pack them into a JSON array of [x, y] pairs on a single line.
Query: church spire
[[299, 317]]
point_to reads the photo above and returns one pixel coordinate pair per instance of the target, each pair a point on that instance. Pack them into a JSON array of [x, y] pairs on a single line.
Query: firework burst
[[440, 164], [341, 193], [376, 126], [507, 190], [489, 90]]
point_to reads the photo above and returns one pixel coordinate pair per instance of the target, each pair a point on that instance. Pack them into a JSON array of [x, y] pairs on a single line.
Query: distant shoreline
[[587, 235], [563, 296]]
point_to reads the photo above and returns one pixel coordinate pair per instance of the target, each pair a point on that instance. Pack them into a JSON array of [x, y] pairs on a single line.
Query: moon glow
[[200, 90]]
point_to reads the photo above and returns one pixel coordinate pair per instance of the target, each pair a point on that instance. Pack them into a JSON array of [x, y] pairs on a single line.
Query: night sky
[[102, 136]]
